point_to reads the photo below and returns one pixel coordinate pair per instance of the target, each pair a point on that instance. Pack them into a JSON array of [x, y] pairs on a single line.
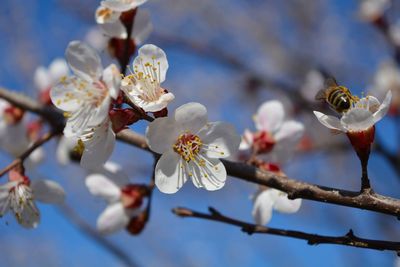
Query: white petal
[[290, 131], [247, 140], [57, 69], [65, 95], [4, 197], [191, 117], [161, 134], [100, 185], [30, 216], [285, 205], [154, 55], [96, 38], [113, 218], [105, 15], [42, 78], [47, 191], [211, 176], [142, 26], [329, 121], [357, 119], [99, 148], [65, 146], [122, 6], [84, 61], [384, 107], [112, 78], [154, 106], [115, 29], [262, 208], [169, 176], [221, 139], [270, 116]]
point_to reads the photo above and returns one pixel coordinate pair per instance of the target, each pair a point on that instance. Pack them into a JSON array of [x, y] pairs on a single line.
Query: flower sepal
[[121, 118], [362, 141], [137, 223]]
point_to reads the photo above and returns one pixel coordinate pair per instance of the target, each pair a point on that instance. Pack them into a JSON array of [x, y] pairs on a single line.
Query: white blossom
[[275, 135], [271, 199], [85, 98], [19, 196], [143, 85], [360, 117], [122, 5], [113, 185], [190, 148]]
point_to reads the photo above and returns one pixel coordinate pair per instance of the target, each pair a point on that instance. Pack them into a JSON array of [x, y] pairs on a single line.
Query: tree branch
[[294, 188], [349, 239], [47, 137]]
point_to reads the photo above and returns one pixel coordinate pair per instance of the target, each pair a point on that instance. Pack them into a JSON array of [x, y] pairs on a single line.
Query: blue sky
[[35, 32]]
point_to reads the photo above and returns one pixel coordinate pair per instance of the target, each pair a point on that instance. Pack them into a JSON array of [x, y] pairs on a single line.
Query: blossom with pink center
[[362, 116], [274, 135], [143, 85], [124, 199], [191, 148], [19, 195]]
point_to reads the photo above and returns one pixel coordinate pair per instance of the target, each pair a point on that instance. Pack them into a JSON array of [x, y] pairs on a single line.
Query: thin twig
[[349, 239], [45, 138]]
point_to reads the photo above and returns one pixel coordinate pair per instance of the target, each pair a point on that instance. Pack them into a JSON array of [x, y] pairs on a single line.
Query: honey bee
[[338, 97]]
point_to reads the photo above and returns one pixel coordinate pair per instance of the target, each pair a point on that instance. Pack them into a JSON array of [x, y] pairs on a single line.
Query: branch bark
[[294, 189], [349, 239]]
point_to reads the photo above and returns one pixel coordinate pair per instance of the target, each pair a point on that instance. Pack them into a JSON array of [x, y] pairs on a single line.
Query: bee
[[338, 97]]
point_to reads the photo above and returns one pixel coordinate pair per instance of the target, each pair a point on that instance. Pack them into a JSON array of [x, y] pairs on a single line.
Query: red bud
[[120, 118]]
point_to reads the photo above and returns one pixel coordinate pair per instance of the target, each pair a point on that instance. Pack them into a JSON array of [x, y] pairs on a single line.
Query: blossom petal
[[29, 216], [42, 79], [122, 6], [48, 191], [262, 208], [84, 61], [384, 107], [161, 134], [247, 140], [169, 175], [58, 69], [221, 139], [329, 121], [191, 117], [285, 205], [142, 26], [115, 29], [290, 131], [151, 54], [269, 116], [105, 15], [65, 95], [99, 147], [100, 185], [154, 106], [357, 119], [210, 176], [112, 219], [112, 78]]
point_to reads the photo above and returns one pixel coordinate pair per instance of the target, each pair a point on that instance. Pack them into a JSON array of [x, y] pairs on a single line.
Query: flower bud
[[137, 224], [120, 118]]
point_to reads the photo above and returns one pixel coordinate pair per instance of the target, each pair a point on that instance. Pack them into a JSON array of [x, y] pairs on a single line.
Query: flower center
[[263, 142], [104, 13], [132, 196], [188, 146]]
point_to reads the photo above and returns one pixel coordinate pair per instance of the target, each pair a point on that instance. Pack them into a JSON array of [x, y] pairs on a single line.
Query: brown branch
[[45, 138], [349, 239], [294, 188]]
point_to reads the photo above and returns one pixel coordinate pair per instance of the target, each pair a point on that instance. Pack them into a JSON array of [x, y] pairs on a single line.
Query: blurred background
[[230, 55]]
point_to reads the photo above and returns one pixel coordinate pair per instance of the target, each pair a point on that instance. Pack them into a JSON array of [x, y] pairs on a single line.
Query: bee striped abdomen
[[339, 100]]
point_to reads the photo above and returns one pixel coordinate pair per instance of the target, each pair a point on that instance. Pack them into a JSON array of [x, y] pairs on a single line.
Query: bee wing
[[321, 95], [330, 82]]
